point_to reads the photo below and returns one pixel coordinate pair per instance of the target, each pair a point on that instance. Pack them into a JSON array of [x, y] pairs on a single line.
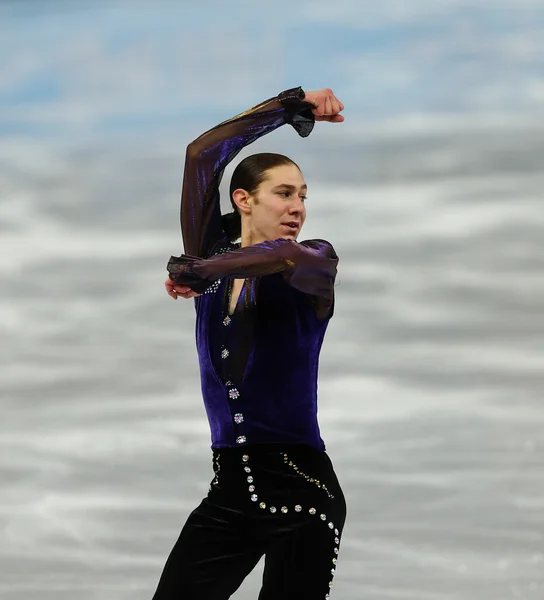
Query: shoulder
[[323, 247]]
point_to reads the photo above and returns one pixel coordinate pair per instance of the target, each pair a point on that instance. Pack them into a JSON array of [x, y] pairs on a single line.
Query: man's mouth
[[292, 225]]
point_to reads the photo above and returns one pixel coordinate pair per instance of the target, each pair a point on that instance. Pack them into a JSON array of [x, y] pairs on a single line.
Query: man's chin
[[290, 235]]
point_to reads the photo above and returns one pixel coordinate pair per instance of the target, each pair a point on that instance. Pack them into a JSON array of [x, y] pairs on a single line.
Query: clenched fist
[[326, 105]]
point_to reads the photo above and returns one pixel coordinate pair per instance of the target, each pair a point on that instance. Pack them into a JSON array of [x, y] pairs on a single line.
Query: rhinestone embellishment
[[214, 287], [226, 321], [241, 439], [238, 418], [234, 394], [298, 508], [320, 485], [224, 353]]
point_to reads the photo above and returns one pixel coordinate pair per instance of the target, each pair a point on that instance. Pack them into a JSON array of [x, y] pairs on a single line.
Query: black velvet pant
[[280, 501]]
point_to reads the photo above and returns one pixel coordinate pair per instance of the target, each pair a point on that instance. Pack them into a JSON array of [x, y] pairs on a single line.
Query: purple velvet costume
[[258, 366]]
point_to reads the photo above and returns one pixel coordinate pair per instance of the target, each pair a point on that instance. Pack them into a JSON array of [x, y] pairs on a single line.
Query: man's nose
[[297, 206]]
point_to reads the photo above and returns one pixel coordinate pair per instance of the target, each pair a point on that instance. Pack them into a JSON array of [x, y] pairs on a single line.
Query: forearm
[[309, 266]]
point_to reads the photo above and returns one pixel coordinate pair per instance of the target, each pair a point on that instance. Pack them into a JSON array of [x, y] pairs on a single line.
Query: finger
[[323, 107], [319, 105], [337, 105], [331, 118], [181, 289]]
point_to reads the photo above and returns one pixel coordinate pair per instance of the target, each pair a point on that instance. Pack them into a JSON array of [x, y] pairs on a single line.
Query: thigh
[[304, 542], [301, 564], [211, 558]]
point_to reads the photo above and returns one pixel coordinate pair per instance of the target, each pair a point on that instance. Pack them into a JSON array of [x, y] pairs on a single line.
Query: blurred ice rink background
[[432, 372]]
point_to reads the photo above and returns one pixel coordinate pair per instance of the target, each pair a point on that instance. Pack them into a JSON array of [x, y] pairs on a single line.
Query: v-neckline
[[229, 297], [225, 293]]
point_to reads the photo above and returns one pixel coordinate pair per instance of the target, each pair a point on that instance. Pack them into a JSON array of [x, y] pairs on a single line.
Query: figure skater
[[262, 308]]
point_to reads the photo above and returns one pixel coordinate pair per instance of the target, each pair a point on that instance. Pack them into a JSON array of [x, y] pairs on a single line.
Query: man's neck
[[249, 239]]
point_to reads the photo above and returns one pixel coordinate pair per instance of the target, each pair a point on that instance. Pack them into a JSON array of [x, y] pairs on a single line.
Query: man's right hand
[[174, 290], [326, 106]]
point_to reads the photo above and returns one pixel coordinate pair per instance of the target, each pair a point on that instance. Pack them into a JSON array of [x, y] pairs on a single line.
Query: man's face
[[278, 210]]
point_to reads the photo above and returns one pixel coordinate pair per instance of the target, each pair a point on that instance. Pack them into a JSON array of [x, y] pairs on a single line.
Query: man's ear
[[242, 200]]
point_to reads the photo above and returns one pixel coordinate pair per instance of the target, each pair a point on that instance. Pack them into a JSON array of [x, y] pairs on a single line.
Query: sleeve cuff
[[299, 112], [180, 270]]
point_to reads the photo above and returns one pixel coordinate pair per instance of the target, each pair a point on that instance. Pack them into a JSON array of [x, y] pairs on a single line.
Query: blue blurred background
[[432, 371]]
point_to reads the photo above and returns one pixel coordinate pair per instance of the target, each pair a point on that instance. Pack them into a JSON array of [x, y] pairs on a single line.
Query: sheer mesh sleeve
[[209, 154], [308, 266]]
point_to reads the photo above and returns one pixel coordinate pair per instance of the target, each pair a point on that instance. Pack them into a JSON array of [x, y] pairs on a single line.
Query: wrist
[[297, 110], [296, 93]]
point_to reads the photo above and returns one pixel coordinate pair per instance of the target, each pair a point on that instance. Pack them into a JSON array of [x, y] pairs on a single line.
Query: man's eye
[[304, 198], [283, 193]]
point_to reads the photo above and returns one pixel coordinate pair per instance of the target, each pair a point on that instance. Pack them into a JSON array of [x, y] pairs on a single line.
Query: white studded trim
[[313, 480], [216, 469], [214, 287], [298, 508]]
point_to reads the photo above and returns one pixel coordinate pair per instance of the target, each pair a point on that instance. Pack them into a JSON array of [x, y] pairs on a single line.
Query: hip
[[265, 479]]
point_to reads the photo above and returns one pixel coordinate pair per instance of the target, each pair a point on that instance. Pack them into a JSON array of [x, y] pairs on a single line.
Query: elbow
[[197, 148], [194, 151]]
